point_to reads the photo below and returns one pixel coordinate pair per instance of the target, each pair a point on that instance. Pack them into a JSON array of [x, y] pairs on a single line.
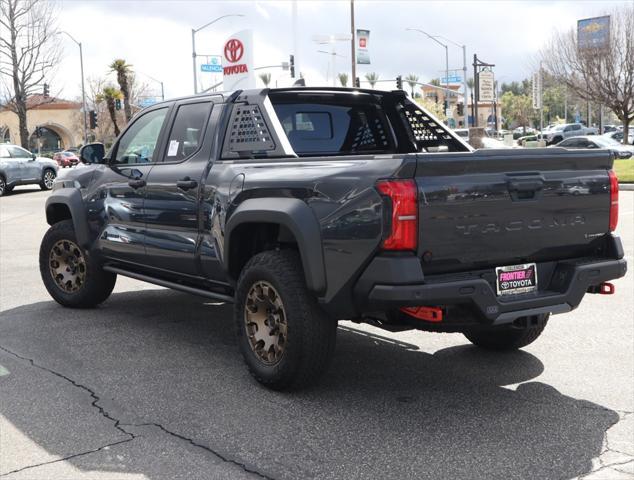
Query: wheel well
[[249, 239], [57, 212]]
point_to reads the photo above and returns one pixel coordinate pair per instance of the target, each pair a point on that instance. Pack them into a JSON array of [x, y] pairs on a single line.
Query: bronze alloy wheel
[[67, 266], [49, 178], [265, 322]]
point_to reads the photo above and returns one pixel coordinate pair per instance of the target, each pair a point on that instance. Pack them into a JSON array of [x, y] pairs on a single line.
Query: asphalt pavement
[[151, 385]]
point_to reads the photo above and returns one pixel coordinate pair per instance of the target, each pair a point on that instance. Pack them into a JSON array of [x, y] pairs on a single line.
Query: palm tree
[[343, 79], [372, 78], [266, 79], [412, 79], [123, 70], [109, 95]]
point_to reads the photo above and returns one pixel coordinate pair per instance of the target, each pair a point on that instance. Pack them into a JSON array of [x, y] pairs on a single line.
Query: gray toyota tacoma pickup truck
[[305, 206]]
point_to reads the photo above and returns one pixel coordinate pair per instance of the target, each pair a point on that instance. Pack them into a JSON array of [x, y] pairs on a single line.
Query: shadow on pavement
[[384, 410]]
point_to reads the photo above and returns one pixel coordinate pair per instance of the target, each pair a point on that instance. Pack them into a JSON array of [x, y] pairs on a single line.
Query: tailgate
[[505, 207]]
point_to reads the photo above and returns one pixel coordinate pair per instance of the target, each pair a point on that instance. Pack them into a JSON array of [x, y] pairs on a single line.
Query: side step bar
[[166, 283]]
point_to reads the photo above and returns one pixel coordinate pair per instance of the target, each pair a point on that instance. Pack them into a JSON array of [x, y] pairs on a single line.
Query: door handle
[[137, 183], [186, 183]]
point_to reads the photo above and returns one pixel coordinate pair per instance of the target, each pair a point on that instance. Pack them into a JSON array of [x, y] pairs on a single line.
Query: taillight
[[614, 200], [404, 230]]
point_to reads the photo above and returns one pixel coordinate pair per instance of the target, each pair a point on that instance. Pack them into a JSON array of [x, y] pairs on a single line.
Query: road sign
[[147, 102], [486, 86], [537, 90], [213, 65], [450, 79], [208, 67]]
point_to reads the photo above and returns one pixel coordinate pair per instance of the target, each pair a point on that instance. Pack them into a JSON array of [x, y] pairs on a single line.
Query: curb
[[628, 187]]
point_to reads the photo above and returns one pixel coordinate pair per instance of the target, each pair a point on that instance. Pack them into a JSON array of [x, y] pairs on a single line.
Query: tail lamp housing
[[402, 194], [614, 200]]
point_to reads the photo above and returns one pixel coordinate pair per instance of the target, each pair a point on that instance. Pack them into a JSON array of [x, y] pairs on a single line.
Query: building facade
[[54, 124]]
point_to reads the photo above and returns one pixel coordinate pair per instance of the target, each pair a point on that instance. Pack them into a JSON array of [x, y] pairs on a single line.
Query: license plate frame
[[517, 279]]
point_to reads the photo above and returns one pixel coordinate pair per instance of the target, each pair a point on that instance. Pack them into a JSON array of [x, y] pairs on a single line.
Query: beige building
[[60, 122]]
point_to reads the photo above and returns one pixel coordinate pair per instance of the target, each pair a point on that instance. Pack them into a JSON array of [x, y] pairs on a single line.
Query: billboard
[[363, 39], [486, 86], [237, 61], [593, 33]]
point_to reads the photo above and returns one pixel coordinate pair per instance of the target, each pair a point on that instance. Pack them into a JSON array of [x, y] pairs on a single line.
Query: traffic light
[[93, 119], [291, 64], [399, 83], [357, 82], [117, 103], [460, 109], [38, 132], [445, 105], [46, 90]]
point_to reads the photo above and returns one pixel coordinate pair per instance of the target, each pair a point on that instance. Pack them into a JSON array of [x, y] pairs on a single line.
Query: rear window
[[335, 128]]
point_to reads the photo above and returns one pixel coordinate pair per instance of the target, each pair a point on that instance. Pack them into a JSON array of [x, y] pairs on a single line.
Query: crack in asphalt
[[118, 425], [221, 456], [74, 455]]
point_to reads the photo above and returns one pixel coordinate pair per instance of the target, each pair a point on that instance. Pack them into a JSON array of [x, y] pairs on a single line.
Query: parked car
[[599, 141], [21, 167], [303, 206], [462, 133], [619, 137], [565, 130], [66, 159]]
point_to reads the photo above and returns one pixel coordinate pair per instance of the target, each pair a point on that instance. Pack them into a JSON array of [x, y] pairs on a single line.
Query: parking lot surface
[[151, 386]]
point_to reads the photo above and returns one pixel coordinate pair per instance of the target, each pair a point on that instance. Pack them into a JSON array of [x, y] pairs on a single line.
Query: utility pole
[[353, 58]]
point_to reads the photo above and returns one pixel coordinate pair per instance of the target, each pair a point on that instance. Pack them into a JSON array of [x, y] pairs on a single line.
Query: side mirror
[[33, 156], [92, 153]]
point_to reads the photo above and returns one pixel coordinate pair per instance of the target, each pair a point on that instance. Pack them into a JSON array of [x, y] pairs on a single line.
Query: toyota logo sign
[[234, 50]]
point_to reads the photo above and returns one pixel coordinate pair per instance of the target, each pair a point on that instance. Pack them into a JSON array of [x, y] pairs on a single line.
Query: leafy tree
[[343, 79], [436, 109], [28, 52], [602, 74], [412, 80], [123, 71], [372, 78], [266, 78], [109, 95], [517, 108]]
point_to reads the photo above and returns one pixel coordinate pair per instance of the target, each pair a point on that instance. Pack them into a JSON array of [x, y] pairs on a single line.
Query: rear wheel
[[509, 338], [286, 340], [3, 186], [48, 178], [70, 275]]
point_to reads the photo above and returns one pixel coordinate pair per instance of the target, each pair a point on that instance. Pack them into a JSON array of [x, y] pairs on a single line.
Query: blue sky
[[155, 36]]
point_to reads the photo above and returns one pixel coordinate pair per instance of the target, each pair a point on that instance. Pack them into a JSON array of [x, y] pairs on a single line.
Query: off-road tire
[[311, 333], [507, 338], [47, 184], [97, 285]]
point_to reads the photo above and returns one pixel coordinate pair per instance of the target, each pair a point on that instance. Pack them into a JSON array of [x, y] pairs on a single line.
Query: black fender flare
[[72, 199], [295, 215]]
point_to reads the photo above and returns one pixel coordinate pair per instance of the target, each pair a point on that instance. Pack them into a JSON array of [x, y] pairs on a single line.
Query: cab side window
[[139, 142], [17, 152], [187, 131]]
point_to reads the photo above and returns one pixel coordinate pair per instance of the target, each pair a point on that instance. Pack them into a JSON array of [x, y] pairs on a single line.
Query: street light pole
[[83, 88], [194, 32], [435, 39], [464, 79]]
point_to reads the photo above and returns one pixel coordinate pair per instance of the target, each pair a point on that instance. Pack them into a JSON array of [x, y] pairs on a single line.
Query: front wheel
[[48, 178], [508, 338], [286, 340], [69, 274]]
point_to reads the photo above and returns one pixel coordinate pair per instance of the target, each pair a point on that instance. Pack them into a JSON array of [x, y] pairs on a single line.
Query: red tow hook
[[429, 314], [605, 288]]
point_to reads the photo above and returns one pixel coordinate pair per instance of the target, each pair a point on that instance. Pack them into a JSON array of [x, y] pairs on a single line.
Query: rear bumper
[[562, 289]]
